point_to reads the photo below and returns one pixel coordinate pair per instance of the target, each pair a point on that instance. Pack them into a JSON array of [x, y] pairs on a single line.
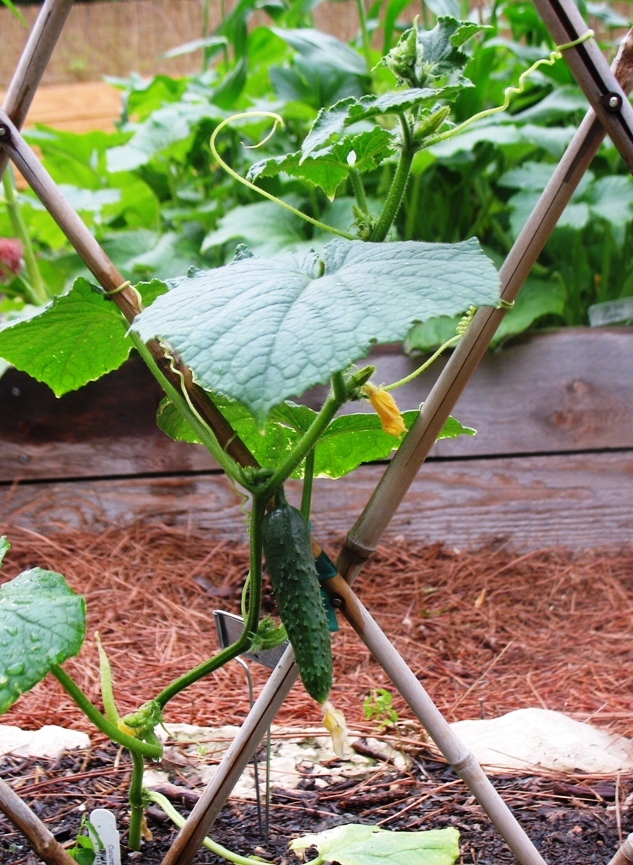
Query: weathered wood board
[[552, 463], [579, 501], [565, 392]]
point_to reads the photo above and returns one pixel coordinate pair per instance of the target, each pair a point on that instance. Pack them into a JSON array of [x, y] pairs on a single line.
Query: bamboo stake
[[34, 60], [425, 710], [624, 855], [592, 73], [436, 409], [42, 841], [365, 535]]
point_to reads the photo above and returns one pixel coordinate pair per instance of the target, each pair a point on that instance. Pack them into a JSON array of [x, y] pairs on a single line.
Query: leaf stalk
[[154, 752], [242, 645], [398, 186]]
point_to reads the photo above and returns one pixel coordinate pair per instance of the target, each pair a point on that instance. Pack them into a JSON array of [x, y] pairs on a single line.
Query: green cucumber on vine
[[288, 552]]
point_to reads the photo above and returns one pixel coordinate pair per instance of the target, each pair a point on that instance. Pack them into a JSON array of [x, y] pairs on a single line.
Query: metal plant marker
[[611, 113]]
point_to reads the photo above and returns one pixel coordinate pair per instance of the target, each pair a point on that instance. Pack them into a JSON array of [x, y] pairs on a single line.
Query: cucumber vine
[[270, 328]]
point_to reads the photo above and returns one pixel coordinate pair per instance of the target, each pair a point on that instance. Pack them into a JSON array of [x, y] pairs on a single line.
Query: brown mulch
[[572, 821], [486, 631]]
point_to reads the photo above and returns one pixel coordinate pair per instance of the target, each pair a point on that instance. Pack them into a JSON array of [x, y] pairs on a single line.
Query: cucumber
[[293, 576]]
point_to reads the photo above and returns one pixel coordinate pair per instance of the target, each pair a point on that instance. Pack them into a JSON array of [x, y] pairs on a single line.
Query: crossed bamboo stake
[[611, 112]]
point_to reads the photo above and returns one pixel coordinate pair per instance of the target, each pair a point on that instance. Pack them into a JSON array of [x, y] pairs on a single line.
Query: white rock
[[529, 739], [49, 741]]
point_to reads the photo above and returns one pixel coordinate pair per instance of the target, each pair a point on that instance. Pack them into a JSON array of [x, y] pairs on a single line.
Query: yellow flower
[[123, 727], [385, 407], [334, 723]]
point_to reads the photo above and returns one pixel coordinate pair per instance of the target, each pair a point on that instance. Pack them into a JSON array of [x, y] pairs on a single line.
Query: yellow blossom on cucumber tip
[[334, 723], [385, 407]]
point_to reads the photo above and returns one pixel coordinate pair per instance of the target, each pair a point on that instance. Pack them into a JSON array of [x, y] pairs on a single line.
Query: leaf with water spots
[[42, 623]]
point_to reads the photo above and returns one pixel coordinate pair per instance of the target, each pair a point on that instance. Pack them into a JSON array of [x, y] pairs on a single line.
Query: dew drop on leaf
[[16, 669]]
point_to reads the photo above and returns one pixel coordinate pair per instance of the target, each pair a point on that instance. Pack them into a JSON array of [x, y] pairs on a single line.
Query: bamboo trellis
[[610, 113]]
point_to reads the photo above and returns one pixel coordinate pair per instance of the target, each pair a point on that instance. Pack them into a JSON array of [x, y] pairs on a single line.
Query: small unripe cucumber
[[290, 562]]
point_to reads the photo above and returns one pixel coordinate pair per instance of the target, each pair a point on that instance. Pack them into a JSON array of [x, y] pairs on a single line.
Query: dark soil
[[575, 821]]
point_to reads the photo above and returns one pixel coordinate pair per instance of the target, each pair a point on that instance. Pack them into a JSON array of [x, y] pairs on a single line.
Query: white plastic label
[[611, 312], [104, 823]]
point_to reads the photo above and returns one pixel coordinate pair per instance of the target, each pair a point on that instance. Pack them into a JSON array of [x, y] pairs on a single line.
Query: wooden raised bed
[[552, 463]]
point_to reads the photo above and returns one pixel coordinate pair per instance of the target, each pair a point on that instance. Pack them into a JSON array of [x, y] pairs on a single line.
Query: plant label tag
[[104, 824], [230, 627], [611, 312]]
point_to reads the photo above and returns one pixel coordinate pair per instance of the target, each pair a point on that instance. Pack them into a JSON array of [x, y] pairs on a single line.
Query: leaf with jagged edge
[[5, 546], [42, 623], [76, 338], [260, 330]]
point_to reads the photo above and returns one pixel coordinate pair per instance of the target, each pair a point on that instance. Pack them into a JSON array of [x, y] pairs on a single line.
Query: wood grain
[[561, 392], [79, 107], [579, 501]]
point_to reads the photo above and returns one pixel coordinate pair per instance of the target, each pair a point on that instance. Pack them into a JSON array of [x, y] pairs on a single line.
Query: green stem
[[511, 91], [449, 342], [398, 186], [359, 189], [338, 395], [257, 189], [179, 821], [362, 20], [93, 714], [250, 625], [179, 399], [135, 798], [37, 288], [306, 492], [412, 207]]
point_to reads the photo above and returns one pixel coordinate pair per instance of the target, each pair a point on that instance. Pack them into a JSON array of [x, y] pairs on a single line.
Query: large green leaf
[[264, 226], [76, 338], [42, 623], [349, 441], [324, 49], [362, 844], [259, 330]]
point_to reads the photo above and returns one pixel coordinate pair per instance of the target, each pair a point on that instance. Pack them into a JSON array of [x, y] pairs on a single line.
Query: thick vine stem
[[306, 492], [398, 186], [135, 798], [154, 752], [260, 500], [338, 395]]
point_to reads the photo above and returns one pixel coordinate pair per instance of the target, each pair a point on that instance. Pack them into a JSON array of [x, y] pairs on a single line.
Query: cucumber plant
[[255, 333]]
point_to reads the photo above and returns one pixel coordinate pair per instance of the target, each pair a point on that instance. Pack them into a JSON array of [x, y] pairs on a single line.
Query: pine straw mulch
[[486, 631]]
